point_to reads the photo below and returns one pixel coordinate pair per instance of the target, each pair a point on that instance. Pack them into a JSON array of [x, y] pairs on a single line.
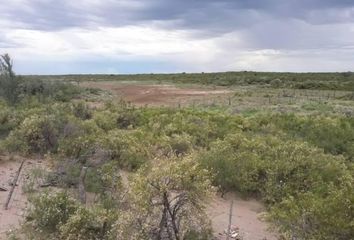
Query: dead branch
[[14, 183], [82, 192]]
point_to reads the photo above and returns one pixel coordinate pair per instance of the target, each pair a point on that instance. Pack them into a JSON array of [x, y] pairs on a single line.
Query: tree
[[9, 82], [167, 202]]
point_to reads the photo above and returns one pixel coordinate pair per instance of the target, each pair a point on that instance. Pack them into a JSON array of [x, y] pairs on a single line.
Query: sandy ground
[[245, 216], [11, 218], [156, 95]]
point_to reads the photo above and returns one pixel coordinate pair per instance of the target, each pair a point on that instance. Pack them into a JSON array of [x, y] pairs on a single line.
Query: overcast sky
[[136, 36]]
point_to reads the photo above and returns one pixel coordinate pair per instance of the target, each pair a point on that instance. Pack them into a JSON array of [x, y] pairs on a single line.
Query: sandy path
[[11, 218], [245, 216]]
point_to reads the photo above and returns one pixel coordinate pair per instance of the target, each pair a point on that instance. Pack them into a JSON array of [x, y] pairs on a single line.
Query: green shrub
[[105, 119], [271, 167], [311, 216], [334, 134], [180, 144], [203, 127], [45, 90], [129, 118], [80, 139], [49, 211], [82, 224], [165, 194], [7, 120], [125, 148], [195, 235], [276, 83], [36, 134], [9, 82], [81, 110], [62, 217]]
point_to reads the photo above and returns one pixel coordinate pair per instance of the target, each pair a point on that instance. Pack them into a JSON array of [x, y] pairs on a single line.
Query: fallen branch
[[14, 183], [82, 191], [44, 185]]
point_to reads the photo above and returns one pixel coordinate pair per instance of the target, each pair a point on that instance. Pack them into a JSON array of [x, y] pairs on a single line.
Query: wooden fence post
[[230, 221]]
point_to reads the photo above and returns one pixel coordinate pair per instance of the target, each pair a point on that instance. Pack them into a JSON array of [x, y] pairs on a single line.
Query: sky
[[144, 36]]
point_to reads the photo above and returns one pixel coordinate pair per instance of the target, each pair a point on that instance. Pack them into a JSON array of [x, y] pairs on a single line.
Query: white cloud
[[140, 31], [115, 43]]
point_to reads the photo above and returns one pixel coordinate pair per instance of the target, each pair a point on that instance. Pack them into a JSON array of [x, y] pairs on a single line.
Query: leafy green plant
[[81, 110], [86, 223], [167, 200], [311, 216], [36, 134], [105, 119], [50, 211], [9, 82], [271, 167], [124, 148]]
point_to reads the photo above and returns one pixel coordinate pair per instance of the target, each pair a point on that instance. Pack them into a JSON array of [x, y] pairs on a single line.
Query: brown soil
[[245, 216], [156, 95], [11, 218]]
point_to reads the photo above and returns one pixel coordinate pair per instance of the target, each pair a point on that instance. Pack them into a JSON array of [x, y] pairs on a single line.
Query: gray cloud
[[288, 26], [7, 43], [208, 15]]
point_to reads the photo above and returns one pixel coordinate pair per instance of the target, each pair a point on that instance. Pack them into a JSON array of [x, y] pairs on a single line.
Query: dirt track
[[156, 95], [245, 216]]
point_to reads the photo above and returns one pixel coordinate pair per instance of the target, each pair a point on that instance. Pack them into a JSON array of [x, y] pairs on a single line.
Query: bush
[[125, 148], [49, 211], [86, 224], [48, 90], [181, 144], [81, 110], [310, 216], [334, 135], [170, 193], [271, 167], [62, 217], [307, 189], [9, 82], [7, 120], [276, 83], [36, 134], [105, 119], [13, 88], [129, 118], [80, 139]]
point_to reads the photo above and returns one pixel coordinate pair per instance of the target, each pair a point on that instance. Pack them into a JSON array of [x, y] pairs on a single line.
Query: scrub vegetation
[[298, 162]]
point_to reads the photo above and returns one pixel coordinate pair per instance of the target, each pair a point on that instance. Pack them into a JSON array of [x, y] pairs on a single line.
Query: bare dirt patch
[[156, 94], [246, 216], [11, 218]]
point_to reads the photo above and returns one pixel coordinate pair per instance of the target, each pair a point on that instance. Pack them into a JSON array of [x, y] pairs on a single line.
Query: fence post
[[230, 221]]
